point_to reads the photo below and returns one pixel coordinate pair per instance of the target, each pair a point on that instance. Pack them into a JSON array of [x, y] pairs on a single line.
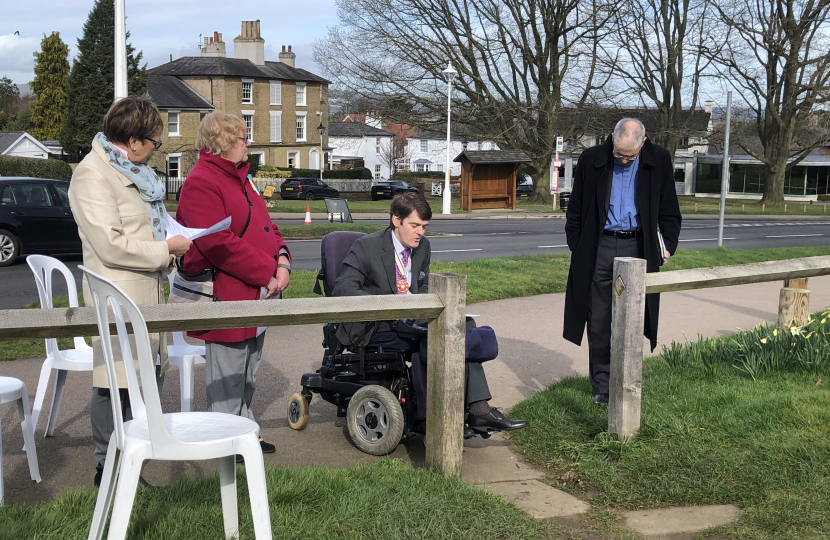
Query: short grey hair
[[620, 130]]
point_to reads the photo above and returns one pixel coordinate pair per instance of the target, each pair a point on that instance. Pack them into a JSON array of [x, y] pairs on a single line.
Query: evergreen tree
[[91, 81], [9, 94], [50, 84]]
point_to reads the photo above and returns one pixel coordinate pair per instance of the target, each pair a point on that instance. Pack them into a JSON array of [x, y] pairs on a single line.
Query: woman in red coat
[[246, 257]]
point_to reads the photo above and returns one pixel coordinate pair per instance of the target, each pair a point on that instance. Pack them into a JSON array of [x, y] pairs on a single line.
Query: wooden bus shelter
[[488, 178]]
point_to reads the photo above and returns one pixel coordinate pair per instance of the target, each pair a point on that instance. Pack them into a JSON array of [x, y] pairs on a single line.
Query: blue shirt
[[622, 210]]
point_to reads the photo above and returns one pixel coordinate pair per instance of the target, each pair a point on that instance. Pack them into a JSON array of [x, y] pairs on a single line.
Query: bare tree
[[659, 60], [394, 153], [520, 63], [776, 58]]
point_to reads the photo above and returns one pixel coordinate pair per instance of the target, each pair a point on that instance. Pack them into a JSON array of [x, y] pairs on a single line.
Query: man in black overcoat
[[623, 191]]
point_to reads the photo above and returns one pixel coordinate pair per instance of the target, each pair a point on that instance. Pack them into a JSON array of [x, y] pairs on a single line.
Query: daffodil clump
[[765, 348]]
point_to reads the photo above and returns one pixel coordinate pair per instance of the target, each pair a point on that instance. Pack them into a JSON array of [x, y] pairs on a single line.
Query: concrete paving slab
[[689, 519], [493, 460], [540, 500]]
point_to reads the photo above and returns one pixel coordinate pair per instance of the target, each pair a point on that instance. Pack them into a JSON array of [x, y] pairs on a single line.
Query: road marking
[[563, 245], [704, 239], [794, 235], [456, 250]]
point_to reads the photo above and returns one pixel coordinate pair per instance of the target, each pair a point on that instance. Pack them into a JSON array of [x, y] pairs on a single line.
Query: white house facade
[[353, 140], [427, 151], [21, 144]]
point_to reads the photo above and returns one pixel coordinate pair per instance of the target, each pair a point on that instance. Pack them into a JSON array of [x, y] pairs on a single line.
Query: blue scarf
[[149, 186]]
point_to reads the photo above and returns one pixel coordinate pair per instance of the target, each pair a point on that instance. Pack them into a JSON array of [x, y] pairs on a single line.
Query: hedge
[[358, 173], [35, 168], [411, 175]]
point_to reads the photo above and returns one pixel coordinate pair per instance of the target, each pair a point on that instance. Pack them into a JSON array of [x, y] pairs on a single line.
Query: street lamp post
[[321, 129], [449, 76]]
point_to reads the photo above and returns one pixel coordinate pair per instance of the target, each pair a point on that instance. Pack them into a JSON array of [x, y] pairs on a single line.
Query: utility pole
[[724, 184], [120, 51]]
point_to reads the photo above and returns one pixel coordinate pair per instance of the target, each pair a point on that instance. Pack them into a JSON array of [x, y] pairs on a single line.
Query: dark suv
[[308, 189], [390, 188], [35, 218]]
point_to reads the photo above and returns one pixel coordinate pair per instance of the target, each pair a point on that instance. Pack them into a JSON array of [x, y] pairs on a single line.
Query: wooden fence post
[[445, 376], [628, 307]]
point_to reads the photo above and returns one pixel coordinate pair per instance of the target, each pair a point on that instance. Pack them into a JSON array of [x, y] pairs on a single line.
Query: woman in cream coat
[[117, 202]]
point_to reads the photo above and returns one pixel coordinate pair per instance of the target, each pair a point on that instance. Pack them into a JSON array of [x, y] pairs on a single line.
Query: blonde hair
[[218, 132]]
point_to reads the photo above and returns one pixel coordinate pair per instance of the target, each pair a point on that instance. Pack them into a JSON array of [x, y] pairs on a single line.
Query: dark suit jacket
[[588, 212], [369, 269]]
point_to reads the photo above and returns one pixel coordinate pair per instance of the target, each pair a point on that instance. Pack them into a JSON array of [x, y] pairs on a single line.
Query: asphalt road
[[465, 240]]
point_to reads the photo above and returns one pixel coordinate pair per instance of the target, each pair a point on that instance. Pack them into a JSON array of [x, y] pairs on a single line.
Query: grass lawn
[[385, 501], [487, 279], [742, 419], [698, 205]]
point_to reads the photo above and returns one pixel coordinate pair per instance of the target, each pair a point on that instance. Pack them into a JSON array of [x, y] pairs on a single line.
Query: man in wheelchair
[[396, 261]]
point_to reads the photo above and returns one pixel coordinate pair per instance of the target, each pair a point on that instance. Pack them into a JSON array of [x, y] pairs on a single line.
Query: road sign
[[557, 163], [554, 180], [559, 144]]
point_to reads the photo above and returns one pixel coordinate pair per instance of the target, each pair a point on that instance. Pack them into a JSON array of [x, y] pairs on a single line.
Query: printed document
[[175, 228]]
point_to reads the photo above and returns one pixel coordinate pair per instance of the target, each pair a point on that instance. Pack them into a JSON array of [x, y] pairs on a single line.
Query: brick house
[[282, 105]]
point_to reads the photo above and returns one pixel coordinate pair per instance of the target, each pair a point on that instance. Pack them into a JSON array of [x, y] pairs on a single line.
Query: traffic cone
[[308, 215]]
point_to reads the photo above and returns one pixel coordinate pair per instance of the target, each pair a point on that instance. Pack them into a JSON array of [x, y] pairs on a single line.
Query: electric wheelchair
[[371, 386]]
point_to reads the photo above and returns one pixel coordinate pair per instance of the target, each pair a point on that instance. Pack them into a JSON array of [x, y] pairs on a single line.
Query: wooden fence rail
[[444, 307], [632, 283]]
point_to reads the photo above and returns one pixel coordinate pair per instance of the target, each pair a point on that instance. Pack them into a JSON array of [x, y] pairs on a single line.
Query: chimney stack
[[708, 105], [287, 58], [249, 45], [214, 46]]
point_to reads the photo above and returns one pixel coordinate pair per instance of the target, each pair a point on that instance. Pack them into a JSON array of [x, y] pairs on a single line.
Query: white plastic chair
[[77, 359], [173, 436], [12, 389], [184, 356]]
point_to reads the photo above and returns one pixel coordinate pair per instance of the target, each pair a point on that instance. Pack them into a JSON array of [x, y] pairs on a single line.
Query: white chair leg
[[257, 490], [57, 395], [40, 393], [122, 506], [109, 481], [28, 435], [227, 486], [186, 383]]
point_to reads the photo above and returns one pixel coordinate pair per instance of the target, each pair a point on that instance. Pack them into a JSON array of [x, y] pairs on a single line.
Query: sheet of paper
[[175, 228], [262, 292]]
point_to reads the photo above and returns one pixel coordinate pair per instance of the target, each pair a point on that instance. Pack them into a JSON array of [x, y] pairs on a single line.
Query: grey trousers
[[599, 307], [230, 375], [100, 416]]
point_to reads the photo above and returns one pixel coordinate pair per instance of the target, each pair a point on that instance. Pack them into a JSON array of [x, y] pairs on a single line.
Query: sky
[[160, 28]]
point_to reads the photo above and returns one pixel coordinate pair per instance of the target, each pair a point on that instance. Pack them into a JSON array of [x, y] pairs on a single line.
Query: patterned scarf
[[149, 186]]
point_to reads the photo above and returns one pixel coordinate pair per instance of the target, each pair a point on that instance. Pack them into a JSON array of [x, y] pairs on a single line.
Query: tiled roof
[[481, 157], [8, 138], [355, 129], [213, 66], [172, 93]]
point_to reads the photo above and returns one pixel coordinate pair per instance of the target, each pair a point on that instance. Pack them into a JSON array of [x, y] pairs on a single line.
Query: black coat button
[[267, 228]]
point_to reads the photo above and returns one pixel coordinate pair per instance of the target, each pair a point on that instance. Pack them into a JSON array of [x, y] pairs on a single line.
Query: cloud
[[16, 55]]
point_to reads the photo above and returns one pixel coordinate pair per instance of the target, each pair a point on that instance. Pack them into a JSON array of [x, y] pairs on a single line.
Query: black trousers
[[476, 388], [599, 306]]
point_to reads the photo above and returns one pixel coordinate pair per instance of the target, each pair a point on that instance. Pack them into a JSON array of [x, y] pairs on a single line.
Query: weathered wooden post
[[628, 309], [793, 303], [445, 376]]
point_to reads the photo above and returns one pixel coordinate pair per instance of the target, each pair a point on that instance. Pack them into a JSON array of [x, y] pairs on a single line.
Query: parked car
[[35, 218], [524, 189], [308, 189], [390, 188]]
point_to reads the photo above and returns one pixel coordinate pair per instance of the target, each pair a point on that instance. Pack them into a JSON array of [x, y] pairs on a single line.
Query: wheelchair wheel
[[298, 412], [375, 420]]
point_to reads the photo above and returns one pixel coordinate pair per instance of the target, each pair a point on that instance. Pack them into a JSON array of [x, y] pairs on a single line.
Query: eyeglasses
[[627, 158], [243, 139], [156, 144]]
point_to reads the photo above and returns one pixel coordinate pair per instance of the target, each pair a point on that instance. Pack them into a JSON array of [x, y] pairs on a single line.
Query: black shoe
[[601, 399], [494, 421], [267, 448], [469, 432], [99, 474]]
